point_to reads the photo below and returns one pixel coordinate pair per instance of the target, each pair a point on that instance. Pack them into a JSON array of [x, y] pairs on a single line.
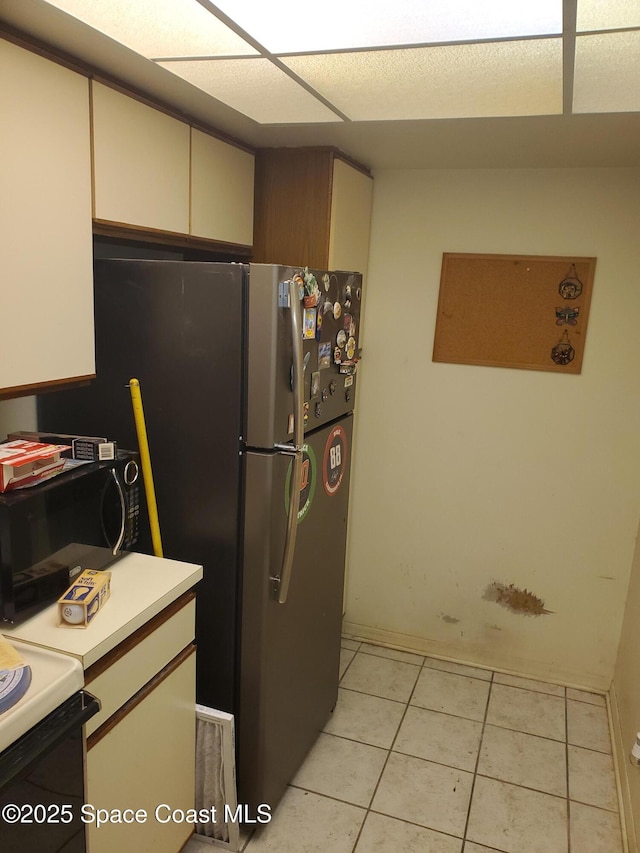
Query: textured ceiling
[[405, 83]]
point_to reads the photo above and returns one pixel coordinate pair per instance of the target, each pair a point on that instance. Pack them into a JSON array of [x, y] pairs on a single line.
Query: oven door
[[42, 783]]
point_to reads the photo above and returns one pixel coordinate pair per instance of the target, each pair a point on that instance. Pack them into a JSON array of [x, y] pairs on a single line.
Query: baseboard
[[423, 646], [622, 768]]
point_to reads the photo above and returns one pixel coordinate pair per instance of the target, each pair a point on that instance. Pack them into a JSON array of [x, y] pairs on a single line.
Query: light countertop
[[141, 586]]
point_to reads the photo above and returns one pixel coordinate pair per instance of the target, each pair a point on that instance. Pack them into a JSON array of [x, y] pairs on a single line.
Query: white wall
[[17, 414], [465, 475]]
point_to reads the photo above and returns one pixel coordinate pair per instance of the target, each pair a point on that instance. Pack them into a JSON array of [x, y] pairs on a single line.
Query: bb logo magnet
[[334, 461]]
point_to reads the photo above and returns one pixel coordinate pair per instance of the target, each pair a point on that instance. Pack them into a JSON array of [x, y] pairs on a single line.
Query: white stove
[[54, 678]]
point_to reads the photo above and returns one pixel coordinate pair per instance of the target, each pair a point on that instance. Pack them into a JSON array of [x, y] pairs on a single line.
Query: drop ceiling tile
[[607, 73], [156, 28], [254, 87], [288, 26], [501, 79], [607, 14]]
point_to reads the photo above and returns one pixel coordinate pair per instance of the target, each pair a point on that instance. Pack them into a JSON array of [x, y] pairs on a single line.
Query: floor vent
[[216, 777]]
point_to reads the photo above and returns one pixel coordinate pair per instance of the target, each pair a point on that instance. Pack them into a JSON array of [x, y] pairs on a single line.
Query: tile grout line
[[453, 766], [384, 766], [421, 667], [346, 669], [370, 810], [424, 666], [475, 770], [375, 695]]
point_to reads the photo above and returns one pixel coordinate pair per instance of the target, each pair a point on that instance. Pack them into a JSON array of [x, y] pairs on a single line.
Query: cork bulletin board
[[527, 311]]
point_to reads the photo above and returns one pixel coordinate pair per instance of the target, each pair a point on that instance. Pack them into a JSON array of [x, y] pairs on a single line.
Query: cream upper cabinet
[[222, 178], [141, 163], [351, 199], [46, 296]]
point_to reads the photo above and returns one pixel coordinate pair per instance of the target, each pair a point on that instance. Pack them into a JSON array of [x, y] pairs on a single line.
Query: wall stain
[[606, 577], [519, 601], [450, 620]]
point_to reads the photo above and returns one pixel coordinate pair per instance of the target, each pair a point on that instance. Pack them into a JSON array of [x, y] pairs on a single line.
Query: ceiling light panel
[[292, 26], [159, 28], [501, 79], [607, 14], [607, 73], [256, 88]]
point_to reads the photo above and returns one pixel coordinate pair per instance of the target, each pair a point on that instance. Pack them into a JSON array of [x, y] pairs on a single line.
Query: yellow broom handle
[[145, 461]]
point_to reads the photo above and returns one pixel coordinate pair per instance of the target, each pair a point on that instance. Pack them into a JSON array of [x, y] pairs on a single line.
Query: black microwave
[[86, 517]]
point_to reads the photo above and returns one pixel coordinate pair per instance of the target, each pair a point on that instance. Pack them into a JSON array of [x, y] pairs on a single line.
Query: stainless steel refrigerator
[[248, 376]]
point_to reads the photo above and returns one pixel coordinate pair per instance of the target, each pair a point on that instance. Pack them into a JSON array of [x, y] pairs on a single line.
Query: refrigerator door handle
[[281, 583]]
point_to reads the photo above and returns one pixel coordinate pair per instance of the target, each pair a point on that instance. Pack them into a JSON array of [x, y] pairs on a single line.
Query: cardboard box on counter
[[89, 448], [84, 598], [25, 462]]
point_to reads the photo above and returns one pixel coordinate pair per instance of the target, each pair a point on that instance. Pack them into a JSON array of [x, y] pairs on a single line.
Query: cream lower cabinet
[[141, 758]]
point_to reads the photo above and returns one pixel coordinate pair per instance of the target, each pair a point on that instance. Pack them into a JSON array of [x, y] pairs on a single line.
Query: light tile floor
[[425, 756]]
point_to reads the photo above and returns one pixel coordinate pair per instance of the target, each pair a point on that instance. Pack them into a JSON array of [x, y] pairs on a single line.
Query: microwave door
[[86, 518]]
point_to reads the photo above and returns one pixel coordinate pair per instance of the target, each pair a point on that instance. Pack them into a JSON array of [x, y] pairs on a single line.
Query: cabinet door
[[120, 674], [351, 199], [46, 272], [141, 163], [221, 190], [293, 191], [146, 760]]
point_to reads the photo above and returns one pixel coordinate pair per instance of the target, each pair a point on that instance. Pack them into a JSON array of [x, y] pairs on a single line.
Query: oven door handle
[[18, 760]]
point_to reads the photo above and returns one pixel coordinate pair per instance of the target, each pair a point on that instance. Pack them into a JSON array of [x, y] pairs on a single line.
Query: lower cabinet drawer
[[118, 676], [145, 764]]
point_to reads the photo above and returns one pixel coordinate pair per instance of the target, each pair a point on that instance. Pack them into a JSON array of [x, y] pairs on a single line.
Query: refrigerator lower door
[[290, 653]]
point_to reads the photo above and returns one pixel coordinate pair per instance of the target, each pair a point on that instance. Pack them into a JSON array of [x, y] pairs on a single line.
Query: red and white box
[[26, 462]]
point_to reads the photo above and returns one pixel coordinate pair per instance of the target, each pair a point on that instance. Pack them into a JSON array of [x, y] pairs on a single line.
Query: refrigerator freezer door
[[290, 652], [329, 329]]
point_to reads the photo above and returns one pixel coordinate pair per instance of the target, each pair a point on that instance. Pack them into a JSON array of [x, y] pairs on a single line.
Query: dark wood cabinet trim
[[340, 155], [136, 638], [35, 45], [121, 230], [40, 387], [139, 697]]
